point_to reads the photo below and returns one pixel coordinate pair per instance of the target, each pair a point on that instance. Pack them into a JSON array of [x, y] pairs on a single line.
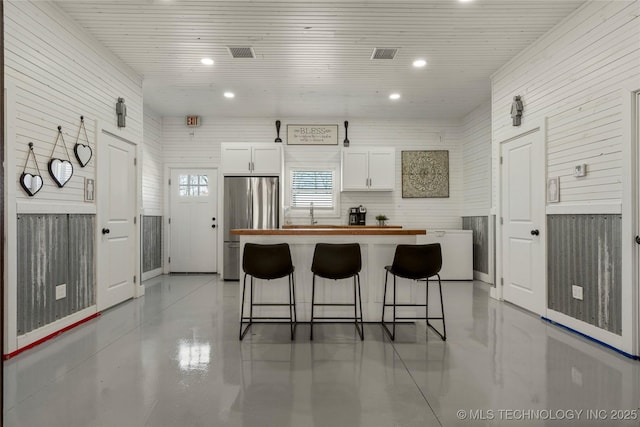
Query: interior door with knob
[[117, 183], [523, 217], [193, 226]]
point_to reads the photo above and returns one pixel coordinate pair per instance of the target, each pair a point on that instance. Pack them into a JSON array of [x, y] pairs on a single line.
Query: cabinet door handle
[[249, 166]]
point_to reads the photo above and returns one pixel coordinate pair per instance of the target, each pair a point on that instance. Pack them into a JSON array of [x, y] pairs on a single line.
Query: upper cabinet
[[368, 169], [251, 159]]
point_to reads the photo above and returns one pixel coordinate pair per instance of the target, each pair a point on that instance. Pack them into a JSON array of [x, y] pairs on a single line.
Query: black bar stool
[[415, 262], [338, 261], [267, 262]]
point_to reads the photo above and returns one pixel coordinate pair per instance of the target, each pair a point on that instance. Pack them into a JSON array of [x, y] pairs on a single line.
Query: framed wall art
[[312, 134], [425, 174]]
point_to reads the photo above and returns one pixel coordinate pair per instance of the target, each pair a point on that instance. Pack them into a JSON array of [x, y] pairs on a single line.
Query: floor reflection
[[173, 358]]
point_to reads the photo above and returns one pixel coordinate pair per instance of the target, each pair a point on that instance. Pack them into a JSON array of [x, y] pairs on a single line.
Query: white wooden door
[[194, 222], [382, 170], [116, 189], [355, 169], [523, 204]]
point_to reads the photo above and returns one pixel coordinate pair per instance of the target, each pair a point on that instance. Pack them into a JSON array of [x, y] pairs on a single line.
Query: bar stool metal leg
[[356, 300], [395, 291], [361, 315], [244, 288], [384, 306], [313, 301], [292, 307], [442, 335]]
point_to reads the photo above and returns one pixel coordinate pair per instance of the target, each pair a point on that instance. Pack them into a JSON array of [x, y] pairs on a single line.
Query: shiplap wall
[[183, 145], [476, 166], [61, 73], [152, 168], [574, 75]]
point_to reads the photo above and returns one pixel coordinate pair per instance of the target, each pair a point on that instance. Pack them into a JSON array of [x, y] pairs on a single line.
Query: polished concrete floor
[[172, 358]]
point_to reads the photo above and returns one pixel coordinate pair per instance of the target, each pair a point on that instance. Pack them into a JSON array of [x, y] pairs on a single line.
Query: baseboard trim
[[48, 337]]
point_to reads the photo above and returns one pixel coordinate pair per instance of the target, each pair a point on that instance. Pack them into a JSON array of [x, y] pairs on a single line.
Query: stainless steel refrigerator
[[249, 202]]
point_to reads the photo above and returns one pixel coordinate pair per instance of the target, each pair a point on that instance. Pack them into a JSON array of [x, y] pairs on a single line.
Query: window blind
[[312, 186]]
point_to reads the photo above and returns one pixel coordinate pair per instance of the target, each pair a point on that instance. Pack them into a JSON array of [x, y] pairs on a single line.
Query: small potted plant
[[382, 220]]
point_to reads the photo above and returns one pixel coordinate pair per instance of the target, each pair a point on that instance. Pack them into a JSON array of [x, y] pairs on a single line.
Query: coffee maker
[[357, 215]]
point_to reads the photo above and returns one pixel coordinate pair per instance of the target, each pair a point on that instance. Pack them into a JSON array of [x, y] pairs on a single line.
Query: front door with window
[[193, 224]]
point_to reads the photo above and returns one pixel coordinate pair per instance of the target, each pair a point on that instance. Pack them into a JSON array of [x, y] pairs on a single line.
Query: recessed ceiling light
[[229, 95], [207, 61], [419, 63], [394, 96]]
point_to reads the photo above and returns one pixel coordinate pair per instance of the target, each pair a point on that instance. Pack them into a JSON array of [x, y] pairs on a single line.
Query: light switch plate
[[580, 170], [576, 292], [61, 291]]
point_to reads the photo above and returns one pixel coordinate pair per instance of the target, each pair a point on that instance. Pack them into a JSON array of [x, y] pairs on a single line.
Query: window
[[193, 185], [313, 185]]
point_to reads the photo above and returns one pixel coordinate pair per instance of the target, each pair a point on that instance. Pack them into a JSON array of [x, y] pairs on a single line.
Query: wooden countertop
[[339, 226], [348, 231]]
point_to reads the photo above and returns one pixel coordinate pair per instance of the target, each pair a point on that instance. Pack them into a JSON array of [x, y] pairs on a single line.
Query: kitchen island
[[377, 246]]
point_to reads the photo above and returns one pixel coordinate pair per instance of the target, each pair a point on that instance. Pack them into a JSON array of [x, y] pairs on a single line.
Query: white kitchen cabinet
[[251, 159], [368, 169]]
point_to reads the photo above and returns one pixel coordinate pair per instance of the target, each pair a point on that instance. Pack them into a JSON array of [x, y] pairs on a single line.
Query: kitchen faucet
[[313, 221]]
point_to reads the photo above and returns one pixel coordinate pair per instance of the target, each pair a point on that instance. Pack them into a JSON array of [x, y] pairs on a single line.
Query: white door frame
[[541, 127], [630, 225], [166, 235], [101, 130]]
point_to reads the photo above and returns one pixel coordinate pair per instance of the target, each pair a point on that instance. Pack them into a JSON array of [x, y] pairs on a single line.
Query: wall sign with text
[[312, 134]]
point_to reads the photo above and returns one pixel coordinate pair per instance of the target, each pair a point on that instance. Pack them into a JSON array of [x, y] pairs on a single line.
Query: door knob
[[535, 232], [106, 231], [638, 240]]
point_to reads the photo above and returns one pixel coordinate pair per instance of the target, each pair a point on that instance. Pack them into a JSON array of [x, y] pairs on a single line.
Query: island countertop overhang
[[330, 232]]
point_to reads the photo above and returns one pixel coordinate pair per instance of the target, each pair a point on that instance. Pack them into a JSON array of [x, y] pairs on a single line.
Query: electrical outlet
[[577, 292], [61, 291], [576, 376]]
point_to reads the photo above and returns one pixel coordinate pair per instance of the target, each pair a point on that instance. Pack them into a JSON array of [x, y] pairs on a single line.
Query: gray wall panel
[[82, 282], [53, 250], [586, 250], [151, 243], [480, 227]]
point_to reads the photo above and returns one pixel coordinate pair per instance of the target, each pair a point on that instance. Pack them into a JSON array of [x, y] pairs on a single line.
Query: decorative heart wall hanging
[[30, 183], [83, 152], [60, 170]]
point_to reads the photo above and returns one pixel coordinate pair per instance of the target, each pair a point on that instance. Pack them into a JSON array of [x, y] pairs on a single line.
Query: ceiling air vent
[[384, 53], [241, 52]]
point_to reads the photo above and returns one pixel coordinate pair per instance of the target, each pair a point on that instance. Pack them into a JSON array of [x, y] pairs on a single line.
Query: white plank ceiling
[[313, 57]]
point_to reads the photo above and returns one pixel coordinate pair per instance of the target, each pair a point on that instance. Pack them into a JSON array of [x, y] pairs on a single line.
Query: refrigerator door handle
[[250, 210]]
